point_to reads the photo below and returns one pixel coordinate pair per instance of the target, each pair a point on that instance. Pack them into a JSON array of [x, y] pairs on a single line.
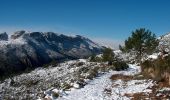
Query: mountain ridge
[[24, 50]]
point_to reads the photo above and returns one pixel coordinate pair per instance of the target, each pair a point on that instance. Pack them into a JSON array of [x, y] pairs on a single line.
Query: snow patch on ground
[[95, 89]]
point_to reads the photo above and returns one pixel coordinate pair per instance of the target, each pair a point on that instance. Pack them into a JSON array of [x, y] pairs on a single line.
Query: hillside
[[26, 50], [83, 79]]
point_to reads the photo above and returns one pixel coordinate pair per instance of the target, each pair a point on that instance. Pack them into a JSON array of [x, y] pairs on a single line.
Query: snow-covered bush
[[92, 73], [65, 85]]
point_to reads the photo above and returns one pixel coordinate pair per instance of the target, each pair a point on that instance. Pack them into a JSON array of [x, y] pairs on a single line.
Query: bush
[[108, 55], [120, 65], [30, 83], [93, 73], [94, 58], [56, 95], [103, 69], [112, 67], [156, 69], [65, 86], [78, 64], [83, 70]]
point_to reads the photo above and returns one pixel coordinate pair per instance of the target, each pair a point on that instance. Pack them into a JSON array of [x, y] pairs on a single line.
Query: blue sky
[[102, 20]]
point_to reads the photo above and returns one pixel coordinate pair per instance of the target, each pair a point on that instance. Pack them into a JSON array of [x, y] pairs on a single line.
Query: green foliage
[[120, 65], [83, 70], [30, 83], [141, 41], [93, 58], [65, 86], [56, 95], [93, 72], [121, 48], [108, 55]]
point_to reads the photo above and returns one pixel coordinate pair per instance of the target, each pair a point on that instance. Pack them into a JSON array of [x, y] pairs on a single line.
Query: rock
[[17, 34], [38, 98], [4, 36], [33, 49], [55, 93], [47, 98], [76, 86]]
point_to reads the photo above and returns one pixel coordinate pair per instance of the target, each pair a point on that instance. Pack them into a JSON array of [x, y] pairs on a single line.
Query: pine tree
[[108, 55], [141, 41]]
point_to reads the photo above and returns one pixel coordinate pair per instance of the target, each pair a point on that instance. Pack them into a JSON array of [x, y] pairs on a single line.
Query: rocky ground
[[116, 85], [82, 80], [32, 85]]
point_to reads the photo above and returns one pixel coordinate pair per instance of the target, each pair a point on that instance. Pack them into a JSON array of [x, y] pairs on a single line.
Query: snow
[[167, 35], [13, 41], [164, 89], [83, 60], [117, 51], [92, 91], [153, 56], [55, 90], [95, 89], [75, 85]]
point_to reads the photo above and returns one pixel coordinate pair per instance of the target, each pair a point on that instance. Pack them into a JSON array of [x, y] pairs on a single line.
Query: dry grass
[[151, 96], [122, 77], [144, 96]]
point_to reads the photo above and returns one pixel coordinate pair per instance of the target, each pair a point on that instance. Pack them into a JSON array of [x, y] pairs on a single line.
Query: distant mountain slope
[[31, 49]]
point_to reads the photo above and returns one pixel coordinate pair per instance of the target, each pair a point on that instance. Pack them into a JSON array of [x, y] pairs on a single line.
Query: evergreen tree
[[141, 41], [108, 55]]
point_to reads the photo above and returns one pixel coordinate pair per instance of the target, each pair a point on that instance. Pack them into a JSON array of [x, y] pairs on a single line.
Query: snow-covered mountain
[[33, 49]]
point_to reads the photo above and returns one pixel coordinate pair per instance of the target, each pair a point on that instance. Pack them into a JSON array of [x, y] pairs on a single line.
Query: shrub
[[79, 64], [30, 83], [94, 58], [103, 69], [81, 82], [92, 73], [108, 55], [56, 95], [65, 86], [156, 69], [120, 65], [112, 67], [83, 70]]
